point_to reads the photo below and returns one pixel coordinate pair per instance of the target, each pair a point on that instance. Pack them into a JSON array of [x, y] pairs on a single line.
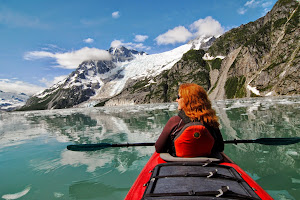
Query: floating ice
[[16, 195]]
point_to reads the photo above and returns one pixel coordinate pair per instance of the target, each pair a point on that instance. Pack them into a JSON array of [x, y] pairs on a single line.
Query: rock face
[[264, 55]]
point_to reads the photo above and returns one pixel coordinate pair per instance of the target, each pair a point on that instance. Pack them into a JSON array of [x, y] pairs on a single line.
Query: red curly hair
[[197, 105]]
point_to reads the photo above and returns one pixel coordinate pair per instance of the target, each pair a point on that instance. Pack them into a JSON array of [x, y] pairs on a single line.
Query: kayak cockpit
[[169, 158]]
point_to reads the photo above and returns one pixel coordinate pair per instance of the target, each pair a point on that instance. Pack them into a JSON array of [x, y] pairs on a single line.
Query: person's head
[[194, 101]]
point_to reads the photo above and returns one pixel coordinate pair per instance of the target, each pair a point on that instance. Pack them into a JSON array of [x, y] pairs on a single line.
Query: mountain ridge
[[10, 101], [260, 58], [249, 52]]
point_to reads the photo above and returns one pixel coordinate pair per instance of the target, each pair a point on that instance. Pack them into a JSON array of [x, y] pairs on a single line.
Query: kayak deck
[[161, 185]]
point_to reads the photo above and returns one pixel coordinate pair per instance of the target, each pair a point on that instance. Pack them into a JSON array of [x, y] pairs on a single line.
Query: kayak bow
[[194, 178]]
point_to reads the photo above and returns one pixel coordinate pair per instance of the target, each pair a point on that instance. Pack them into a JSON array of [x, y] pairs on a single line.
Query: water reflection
[[47, 133], [92, 190], [276, 168]]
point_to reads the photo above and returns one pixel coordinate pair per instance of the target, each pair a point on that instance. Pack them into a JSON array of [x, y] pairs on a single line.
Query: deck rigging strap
[[212, 174], [222, 192]]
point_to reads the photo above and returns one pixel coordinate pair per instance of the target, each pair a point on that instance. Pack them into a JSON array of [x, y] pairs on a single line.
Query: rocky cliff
[[262, 57]]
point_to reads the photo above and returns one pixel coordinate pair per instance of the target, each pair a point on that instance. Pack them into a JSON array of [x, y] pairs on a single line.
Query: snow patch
[[208, 57], [253, 89], [282, 74], [269, 93]]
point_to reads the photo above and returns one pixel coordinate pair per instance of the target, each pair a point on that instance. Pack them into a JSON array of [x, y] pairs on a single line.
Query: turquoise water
[[35, 164]]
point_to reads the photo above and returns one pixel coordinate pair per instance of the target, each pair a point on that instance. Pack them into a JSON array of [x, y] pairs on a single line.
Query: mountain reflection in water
[[35, 142]]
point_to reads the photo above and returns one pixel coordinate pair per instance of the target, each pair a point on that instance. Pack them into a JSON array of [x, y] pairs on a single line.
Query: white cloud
[[70, 60], [140, 46], [50, 83], [115, 14], [129, 45], [16, 19], [207, 26], [265, 5], [252, 3], [88, 40], [140, 38], [242, 11], [201, 27], [18, 87], [178, 34], [51, 47], [249, 3], [33, 55], [116, 43]]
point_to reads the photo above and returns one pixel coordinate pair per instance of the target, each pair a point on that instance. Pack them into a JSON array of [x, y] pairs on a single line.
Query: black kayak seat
[[169, 158]]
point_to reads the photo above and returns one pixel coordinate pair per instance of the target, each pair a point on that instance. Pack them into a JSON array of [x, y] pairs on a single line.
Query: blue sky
[[42, 41]]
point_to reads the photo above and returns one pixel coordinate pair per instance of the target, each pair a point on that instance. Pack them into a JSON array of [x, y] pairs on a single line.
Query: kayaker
[[194, 106]]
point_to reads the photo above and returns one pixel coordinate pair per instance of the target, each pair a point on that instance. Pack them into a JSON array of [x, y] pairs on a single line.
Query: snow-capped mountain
[[142, 66], [97, 80], [10, 101], [255, 59], [202, 42], [122, 54]]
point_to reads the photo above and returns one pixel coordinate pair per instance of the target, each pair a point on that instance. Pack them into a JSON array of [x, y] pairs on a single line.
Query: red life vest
[[194, 140]]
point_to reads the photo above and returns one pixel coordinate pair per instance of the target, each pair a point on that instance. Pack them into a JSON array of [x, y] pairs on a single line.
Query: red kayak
[[167, 177]]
